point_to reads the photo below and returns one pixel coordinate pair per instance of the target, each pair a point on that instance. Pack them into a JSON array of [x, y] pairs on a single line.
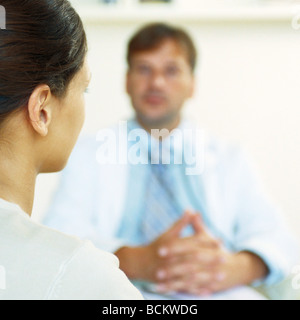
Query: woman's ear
[[40, 110]]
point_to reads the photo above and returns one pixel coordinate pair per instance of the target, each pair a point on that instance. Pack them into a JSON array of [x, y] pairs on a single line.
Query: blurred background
[[248, 80]]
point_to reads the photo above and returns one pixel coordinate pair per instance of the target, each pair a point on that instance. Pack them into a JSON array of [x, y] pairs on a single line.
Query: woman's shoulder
[[30, 235], [56, 265], [51, 245], [89, 273], [92, 274]]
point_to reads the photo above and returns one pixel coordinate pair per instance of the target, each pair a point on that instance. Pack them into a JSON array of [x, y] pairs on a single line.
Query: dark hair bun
[[44, 43]]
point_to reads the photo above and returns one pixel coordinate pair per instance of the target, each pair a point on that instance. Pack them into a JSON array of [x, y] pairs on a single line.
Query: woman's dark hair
[[153, 35], [44, 43]]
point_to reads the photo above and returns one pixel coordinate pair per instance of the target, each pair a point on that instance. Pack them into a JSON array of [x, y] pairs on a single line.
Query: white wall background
[[248, 91]]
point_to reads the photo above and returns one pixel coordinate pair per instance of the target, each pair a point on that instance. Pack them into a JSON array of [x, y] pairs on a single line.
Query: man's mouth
[[154, 99]]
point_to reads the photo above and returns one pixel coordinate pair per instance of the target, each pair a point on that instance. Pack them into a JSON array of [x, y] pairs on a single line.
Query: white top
[[38, 263]]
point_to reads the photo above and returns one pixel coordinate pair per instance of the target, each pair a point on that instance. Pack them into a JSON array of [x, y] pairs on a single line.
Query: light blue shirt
[[105, 203]]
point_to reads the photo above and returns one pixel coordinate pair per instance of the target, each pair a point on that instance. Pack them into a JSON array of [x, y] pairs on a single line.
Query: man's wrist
[[131, 261], [252, 267]]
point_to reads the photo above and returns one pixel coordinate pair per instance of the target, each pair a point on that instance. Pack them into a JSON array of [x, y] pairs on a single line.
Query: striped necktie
[[161, 208]]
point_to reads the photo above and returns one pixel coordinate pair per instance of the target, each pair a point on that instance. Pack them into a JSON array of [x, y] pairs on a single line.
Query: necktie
[[161, 208]]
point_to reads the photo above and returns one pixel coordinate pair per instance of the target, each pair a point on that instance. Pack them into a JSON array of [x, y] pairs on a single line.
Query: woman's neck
[[17, 180]]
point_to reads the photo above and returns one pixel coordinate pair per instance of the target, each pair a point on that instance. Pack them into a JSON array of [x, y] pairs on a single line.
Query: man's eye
[[144, 70], [172, 71]]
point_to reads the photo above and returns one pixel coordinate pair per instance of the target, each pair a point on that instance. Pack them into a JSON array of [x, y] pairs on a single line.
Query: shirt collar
[[156, 149], [188, 131]]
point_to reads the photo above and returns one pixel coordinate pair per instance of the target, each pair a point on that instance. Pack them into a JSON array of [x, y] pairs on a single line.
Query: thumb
[[197, 223], [178, 226]]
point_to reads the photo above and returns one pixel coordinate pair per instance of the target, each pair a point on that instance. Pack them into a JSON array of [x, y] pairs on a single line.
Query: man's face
[[159, 82]]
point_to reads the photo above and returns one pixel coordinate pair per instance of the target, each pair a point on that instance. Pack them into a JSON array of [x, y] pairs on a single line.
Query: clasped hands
[[198, 265]]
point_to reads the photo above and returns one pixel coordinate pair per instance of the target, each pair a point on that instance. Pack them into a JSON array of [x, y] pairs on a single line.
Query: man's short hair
[[152, 36]]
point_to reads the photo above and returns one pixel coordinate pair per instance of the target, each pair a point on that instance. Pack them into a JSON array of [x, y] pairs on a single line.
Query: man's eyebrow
[[142, 61], [173, 62]]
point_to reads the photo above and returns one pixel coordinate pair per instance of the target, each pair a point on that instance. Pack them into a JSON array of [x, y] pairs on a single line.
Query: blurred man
[[197, 224]]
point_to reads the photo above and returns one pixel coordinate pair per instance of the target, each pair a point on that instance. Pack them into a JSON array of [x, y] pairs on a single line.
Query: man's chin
[[157, 121]]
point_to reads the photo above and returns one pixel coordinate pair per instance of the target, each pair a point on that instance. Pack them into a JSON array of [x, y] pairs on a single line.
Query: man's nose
[[158, 80]]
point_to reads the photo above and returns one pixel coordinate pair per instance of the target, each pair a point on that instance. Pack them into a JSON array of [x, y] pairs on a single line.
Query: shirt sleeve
[[260, 228], [92, 274]]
